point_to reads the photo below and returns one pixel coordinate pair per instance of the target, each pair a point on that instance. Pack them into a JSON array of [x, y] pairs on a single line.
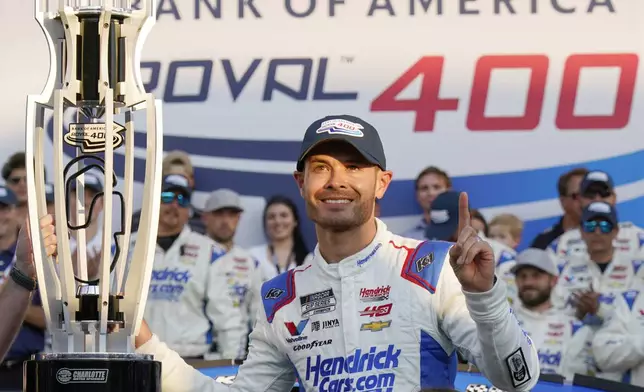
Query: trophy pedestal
[[95, 372]]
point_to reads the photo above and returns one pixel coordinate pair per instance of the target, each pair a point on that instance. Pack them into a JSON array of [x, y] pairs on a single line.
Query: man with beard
[[372, 309], [221, 217], [188, 292], [562, 341], [589, 283]]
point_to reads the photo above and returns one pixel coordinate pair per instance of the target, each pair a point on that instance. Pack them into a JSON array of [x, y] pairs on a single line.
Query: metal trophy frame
[[95, 52]]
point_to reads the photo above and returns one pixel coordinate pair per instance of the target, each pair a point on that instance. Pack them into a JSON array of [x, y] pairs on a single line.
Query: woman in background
[[285, 248]]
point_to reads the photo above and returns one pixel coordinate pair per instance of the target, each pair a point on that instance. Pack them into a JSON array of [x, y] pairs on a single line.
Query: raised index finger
[[463, 212]]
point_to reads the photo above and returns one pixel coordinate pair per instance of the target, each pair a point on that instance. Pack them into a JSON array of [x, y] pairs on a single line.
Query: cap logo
[[341, 127], [599, 207], [177, 180], [439, 216], [597, 176]]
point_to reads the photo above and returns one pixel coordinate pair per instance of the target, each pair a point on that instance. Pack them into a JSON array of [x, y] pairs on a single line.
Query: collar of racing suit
[[356, 263]]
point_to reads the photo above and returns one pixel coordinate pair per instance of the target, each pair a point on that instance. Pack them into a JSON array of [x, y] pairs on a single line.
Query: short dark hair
[[434, 170], [562, 184], [15, 161]]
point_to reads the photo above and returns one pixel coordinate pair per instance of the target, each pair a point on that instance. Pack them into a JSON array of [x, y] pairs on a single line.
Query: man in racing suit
[[444, 226], [188, 289], [373, 310], [597, 186], [619, 344], [588, 284], [564, 343], [221, 217]]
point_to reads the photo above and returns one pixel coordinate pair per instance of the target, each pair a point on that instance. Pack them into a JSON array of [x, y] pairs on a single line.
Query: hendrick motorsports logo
[[82, 376], [90, 138]]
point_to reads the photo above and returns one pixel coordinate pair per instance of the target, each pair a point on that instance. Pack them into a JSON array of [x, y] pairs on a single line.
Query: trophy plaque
[[95, 79]]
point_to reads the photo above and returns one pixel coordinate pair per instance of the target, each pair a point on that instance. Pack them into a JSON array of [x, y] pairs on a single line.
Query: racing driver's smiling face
[[340, 186]]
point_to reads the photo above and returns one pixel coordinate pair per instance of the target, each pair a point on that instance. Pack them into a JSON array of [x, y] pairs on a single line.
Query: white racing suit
[[564, 344], [580, 274], [619, 344], [244, 281], [629, 240], [388, 318], [189, 295]]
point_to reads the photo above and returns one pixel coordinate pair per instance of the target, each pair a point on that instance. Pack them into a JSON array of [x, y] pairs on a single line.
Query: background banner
[[504, 95]]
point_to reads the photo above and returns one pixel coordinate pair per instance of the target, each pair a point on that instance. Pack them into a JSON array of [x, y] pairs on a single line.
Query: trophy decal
[[93, 313]]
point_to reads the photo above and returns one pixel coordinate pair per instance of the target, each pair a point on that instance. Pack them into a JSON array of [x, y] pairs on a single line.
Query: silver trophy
[[95, 78]]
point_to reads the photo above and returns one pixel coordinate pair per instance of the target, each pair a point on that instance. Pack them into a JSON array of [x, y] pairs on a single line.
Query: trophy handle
[[141, 263]]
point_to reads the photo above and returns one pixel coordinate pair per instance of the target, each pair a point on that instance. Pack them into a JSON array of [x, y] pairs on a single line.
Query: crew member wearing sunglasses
[[588, 284], [188, 292], [597, 186]]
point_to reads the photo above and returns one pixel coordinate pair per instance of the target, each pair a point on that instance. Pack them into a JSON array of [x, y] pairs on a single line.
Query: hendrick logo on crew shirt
[[168, 284]]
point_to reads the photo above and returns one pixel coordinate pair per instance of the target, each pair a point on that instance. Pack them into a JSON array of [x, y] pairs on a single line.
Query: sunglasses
[[169, 197], [603, 193], [16, 180], [604, 226]]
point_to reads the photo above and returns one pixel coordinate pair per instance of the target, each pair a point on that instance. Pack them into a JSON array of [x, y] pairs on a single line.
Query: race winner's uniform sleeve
[[614, 348], [487, 332], [176, 374], [266, 368], [221, 309]]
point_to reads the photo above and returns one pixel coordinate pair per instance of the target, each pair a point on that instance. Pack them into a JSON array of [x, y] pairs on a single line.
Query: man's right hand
[[24, 249]]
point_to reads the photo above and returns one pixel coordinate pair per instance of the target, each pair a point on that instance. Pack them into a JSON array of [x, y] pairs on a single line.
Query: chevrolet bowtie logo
[[375, 326]]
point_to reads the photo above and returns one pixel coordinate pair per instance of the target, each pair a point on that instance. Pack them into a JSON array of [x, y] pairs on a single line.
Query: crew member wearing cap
[[178, 162], [589, 282], [445, 296], [598, 186], [562, 341], [443, 226], [221, 217], [188, 290], [31, 337]]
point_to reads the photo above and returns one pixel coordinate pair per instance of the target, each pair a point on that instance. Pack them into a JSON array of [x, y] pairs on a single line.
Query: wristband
[[22, 279]]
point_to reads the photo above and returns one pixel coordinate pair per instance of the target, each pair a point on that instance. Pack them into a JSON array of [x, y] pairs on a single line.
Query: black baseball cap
[[444, 217], [351, 129], [600, 210], [601, 178]]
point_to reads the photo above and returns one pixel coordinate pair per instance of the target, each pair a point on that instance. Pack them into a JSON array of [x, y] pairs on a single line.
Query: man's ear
[[382, 182], [299, 180]]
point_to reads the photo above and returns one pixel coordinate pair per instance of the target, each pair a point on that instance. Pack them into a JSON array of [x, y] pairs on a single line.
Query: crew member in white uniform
[[588, 284], [221, 218], [189, 299], [597, 186], [619, 344], [564, 343]]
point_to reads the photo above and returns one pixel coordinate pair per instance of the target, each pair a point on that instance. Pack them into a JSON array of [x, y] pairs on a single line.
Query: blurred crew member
[[430, 182], [589, 282], [568, 189], [188, 291], [598, 186], [563, 342]]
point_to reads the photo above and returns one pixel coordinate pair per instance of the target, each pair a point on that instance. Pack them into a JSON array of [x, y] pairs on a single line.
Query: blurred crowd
[[575, 291]]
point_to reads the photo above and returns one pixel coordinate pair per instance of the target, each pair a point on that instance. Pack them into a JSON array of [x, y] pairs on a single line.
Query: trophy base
[[96, 372]]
